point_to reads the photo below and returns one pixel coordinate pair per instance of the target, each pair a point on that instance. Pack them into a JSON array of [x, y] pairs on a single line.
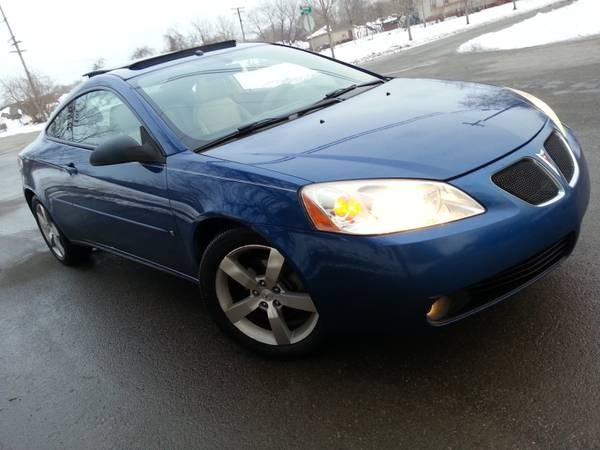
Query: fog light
[[439, 309]]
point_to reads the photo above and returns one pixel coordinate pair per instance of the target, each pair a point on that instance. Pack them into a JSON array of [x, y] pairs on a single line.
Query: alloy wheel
[[262, 296], [50, 232]]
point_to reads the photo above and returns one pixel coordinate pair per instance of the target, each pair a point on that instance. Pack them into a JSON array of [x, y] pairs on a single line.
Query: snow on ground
[[576, 20], [16, 127], [10, 127], [363, 49]]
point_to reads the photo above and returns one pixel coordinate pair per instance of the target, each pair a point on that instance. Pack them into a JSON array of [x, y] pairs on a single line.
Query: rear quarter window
[[62, 125]]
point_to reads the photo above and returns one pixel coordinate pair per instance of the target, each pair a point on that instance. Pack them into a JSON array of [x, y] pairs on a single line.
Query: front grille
[[528, 181], [520, 274], [561, 155], [508, 282]]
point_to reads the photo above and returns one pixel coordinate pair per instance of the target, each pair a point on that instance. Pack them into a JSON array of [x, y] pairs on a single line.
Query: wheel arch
[[210, 227], [29, 194], [207, 229]]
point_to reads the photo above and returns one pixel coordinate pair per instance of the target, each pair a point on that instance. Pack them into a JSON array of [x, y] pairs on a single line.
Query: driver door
[[126, 206]]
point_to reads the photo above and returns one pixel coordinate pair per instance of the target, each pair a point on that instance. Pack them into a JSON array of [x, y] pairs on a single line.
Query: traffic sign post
[[308, 23]]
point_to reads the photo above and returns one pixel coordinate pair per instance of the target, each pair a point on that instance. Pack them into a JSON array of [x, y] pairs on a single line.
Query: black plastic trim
[[165, 57]]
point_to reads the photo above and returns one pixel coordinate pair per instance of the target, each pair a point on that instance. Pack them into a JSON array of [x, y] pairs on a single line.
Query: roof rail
[[159, 59], [93, 73]]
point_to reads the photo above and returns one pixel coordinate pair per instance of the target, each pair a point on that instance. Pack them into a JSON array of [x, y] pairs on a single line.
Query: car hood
[[404, 128]]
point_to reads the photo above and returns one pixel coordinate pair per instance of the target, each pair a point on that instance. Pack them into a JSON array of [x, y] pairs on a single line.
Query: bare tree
[[203, 32], [288, 19], [467, 4], [381, 9], [99, 64], [225, 30], [406, 10], [423, 13], [357, 12], [326, 10], [514, 4], [36, 103], [259, 26], [142, 52], [276, 20], [348, 12], [175, 40]]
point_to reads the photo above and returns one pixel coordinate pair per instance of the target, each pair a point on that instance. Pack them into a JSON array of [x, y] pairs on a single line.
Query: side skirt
[[137, 259]]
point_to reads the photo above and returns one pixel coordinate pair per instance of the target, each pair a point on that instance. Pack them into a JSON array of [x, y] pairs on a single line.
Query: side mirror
[[124, 149]]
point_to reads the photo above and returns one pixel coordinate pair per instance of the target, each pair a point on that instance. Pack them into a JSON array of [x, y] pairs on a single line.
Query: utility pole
[[514, 4], [13, 41], [239, 10]]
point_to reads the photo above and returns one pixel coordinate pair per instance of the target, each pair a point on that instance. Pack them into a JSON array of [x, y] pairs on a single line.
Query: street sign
[[305, 10], [308, 23]]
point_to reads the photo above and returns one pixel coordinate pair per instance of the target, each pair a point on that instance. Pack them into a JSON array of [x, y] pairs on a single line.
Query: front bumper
[[399, 276]]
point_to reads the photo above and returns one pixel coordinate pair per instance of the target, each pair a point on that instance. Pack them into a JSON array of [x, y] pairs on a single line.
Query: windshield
[[216, 94]]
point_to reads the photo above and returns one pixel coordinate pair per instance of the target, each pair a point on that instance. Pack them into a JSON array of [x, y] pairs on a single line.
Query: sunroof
[[165, 57]]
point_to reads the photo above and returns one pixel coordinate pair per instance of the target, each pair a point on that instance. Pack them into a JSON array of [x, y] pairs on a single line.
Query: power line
[[15, 43], [239, 10]]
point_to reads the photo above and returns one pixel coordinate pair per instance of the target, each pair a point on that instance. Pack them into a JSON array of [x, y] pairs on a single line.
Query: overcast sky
[[63, 38]]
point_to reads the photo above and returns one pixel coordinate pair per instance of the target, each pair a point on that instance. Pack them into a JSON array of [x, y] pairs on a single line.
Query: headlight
[[542, 106], [385, 206]]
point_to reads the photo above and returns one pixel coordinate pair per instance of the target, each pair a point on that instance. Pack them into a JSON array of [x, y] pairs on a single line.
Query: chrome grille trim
[[506, 185], [573, 181]]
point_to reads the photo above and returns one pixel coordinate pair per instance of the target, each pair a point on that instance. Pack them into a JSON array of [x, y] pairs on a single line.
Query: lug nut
[[264, 304], [262, 283], [276, 290], [255, 293], [276, 303]]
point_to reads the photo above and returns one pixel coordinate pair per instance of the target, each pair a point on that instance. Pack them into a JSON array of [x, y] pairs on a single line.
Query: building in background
[[319, 40], [440, 9]]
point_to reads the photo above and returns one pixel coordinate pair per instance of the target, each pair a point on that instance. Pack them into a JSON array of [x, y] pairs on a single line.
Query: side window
[[95, 117], [61, 126], [101, 115]]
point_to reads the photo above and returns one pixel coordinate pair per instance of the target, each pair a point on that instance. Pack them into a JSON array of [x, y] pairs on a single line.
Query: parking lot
[[118, 355]]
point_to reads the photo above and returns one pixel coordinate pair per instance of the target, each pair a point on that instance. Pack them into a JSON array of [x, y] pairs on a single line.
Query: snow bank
[[366, 48], [20, 126], [15, 127], [576, 20]]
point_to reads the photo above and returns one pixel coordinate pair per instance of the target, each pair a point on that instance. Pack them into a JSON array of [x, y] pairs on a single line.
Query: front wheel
[[256, 296], [67, 253]]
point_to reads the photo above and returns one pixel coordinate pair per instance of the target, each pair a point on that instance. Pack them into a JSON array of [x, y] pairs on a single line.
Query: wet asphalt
[[117, 355]]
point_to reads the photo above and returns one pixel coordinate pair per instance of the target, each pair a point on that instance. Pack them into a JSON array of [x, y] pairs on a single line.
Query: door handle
[[71, 168]]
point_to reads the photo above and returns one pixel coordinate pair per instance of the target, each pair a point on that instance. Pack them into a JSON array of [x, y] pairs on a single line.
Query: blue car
[[303, 194]]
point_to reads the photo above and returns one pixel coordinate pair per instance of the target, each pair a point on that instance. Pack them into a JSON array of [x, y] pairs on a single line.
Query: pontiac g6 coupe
[[301, 193]]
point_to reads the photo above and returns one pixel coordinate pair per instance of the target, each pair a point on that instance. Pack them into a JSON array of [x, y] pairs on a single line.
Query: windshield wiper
[[250, 128], [344, 90], [244, 130], [263, 123], [323, 103], [328, 100]]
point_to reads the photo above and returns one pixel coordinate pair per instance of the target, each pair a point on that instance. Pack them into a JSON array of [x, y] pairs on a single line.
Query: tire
[[64, 251], [266, 311]]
